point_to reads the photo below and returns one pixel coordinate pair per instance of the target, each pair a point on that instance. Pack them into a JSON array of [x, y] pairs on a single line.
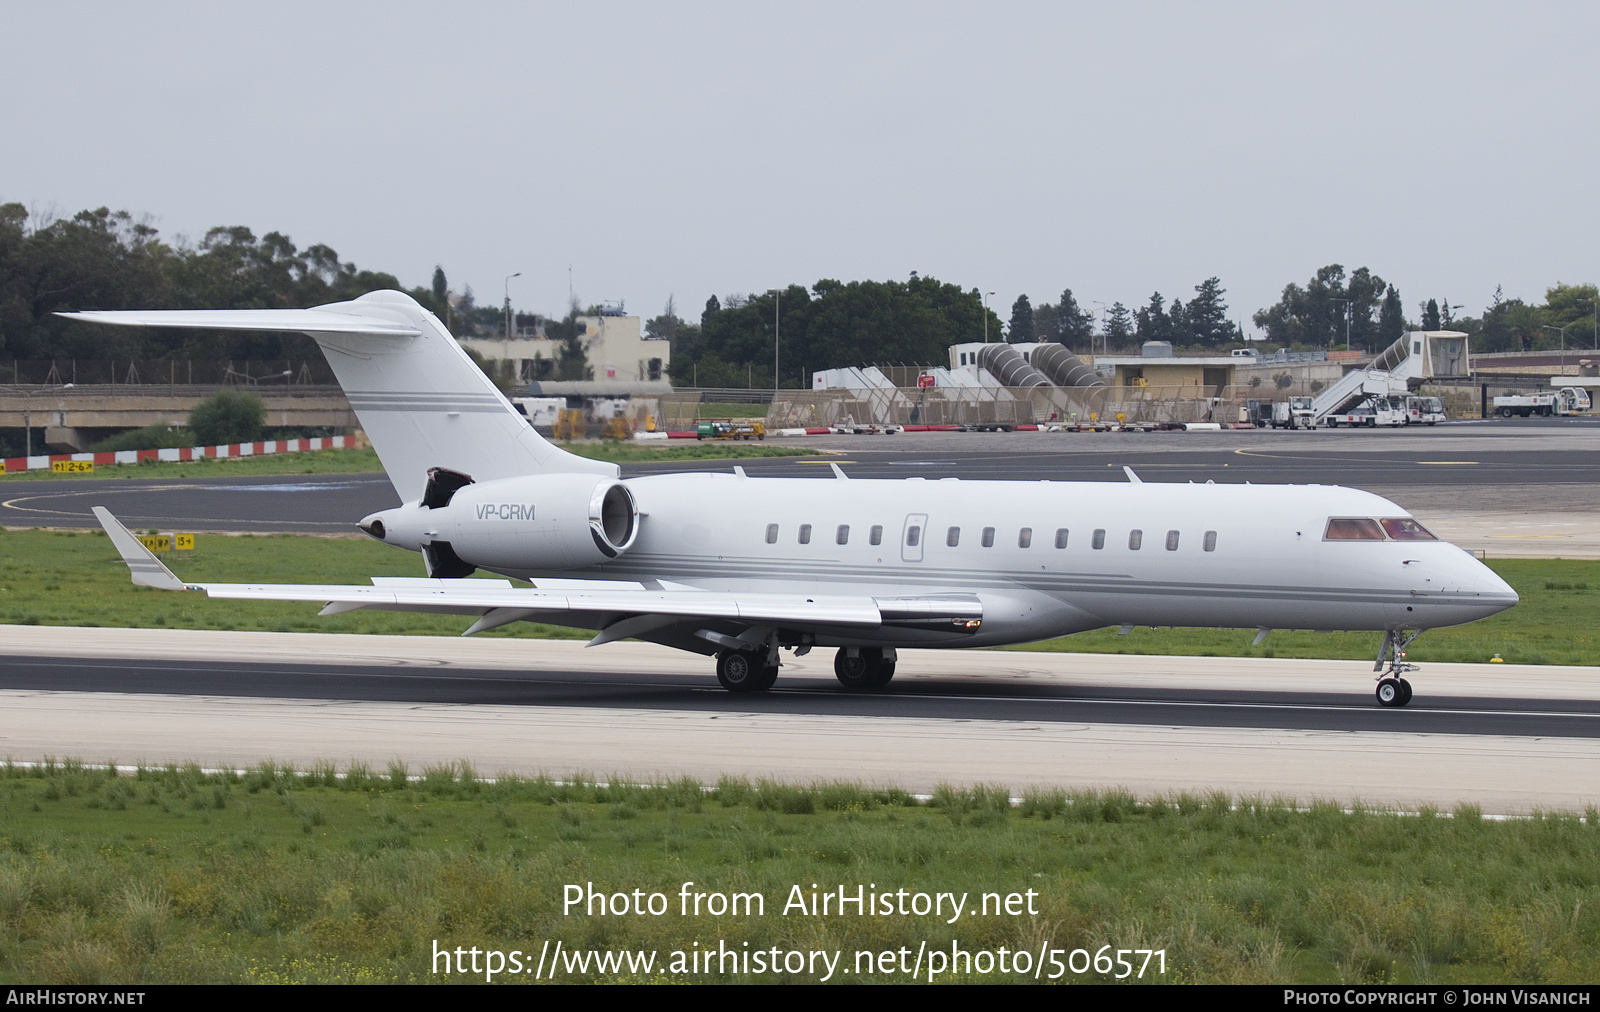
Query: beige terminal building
[[615, 347]]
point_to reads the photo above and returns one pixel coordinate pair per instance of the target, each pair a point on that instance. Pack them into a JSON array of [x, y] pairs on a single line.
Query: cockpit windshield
[[1406, 529], [1353, 529], [1367, 529]]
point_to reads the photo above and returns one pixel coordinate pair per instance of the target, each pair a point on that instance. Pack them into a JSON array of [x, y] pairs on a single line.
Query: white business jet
[[742, 568]]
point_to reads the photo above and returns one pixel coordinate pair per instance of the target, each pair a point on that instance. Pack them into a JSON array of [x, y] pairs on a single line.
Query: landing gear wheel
[[738, 671], [1393, 692], [765, 682], [885, 673], [859, 669]]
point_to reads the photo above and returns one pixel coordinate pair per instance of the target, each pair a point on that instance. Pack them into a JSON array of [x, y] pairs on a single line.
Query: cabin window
[[842, 535], [1061, 537], [1210, 543], [1406, 529], [1025, 537], [1098, 540], [805, 534], [1135, 540], [952, 537], [772, 534], [988, 537], [913, 535], [1172, 541], [877, 534], [1352, 529]]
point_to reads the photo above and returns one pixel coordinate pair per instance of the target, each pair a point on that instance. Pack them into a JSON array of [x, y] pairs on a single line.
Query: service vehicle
[[1294, 413], [730, 428], [1389, 412], [1424, 410], [1566, 401]]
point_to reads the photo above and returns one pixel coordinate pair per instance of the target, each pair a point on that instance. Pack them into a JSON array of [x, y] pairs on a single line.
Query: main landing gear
[[1393, 689], [746, 670], [861, 668]]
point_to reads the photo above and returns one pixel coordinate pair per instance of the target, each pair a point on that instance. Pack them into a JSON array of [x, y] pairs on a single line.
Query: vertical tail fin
[[421, 399]]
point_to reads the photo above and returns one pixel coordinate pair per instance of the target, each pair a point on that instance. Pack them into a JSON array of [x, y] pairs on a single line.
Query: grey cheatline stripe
[[961, 579], [395, 400]]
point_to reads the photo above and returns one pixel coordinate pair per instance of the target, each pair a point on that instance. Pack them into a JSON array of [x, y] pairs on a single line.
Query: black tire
[[1405, 691], [885, 674], [858, 672], [738, 671], [768, 677], [1390, 692], [1505, 412]]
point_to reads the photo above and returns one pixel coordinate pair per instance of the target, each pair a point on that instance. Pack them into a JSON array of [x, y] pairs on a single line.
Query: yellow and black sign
[[71, 466], [167, 542]]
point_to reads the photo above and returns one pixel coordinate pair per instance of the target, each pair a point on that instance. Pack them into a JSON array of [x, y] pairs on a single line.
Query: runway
[[1507, 738]]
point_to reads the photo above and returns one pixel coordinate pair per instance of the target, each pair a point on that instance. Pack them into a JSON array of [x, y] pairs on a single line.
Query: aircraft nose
[[1496, 594]]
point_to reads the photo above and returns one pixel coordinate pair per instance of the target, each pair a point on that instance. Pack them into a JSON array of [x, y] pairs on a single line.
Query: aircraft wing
[[619, 609]]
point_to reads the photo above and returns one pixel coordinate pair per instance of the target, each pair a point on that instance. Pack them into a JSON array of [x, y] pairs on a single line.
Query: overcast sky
[[699, 149]]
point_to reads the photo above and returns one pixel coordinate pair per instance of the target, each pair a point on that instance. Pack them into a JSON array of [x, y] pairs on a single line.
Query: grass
[[75, 578], [366, 460], [176, 875]]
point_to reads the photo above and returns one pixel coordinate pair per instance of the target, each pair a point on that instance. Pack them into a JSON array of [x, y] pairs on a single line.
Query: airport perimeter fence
[[1132, 405], [76, 372]]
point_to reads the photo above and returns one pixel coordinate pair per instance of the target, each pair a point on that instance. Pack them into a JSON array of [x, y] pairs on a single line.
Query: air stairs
[[1415, 358]]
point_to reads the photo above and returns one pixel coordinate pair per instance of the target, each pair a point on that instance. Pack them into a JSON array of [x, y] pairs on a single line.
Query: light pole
[[986, 317], [777, 301], [1563, 332], [508, 302]]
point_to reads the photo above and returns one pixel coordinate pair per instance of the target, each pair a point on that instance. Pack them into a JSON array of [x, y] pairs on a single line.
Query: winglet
[[1131, 476], [146, 569]]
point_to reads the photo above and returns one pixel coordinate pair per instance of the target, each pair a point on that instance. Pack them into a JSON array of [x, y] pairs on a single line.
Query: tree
[[441, 289], [834, 324], [1430, 315], [1206, 316], [1119, 324], [1391, 319], [1021, 321], [1152, 322], [1325, 310], [227, 416], [1074, 327]]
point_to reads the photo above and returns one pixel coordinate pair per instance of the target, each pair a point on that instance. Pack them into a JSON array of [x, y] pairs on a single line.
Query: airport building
[[614, 345]]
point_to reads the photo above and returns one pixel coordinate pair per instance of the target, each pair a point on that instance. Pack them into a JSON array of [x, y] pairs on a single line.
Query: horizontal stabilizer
[[304, 321]]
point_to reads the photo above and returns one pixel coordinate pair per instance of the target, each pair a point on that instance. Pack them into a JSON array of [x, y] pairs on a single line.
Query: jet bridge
[[1416, 357]]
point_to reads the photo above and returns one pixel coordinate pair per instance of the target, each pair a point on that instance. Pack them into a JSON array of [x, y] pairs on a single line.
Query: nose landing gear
[[1393, 689]]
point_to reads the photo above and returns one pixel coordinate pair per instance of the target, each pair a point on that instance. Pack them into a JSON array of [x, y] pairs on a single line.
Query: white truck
[[1566, 401], [1294, 413], [1389, 412]]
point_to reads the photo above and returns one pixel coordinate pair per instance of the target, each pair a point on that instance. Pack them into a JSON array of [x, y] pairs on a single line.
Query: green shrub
[[227, 417]]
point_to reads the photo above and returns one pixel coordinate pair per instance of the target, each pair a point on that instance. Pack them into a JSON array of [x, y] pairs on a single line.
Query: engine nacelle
[[535, 522]]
